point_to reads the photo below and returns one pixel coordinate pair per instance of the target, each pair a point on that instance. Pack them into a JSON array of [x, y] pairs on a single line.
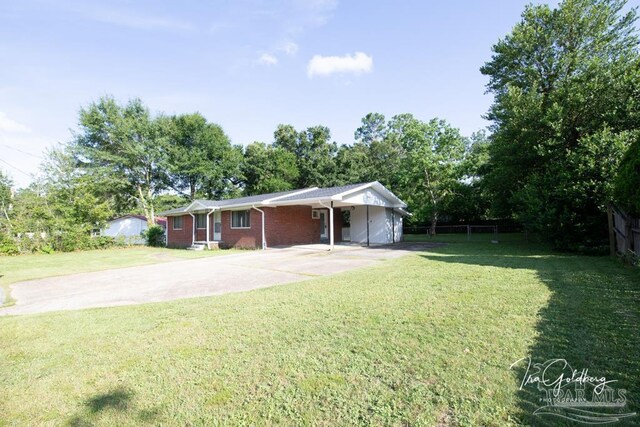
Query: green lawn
[[27, 267], [427, 339]]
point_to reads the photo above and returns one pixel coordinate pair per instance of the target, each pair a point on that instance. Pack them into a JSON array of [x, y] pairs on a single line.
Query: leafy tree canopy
[[565, 86]]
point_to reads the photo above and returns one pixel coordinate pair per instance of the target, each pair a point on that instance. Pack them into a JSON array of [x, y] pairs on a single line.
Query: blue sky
[[247, 65]]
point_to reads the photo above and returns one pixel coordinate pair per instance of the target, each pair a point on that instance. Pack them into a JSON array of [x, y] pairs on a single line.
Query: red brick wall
[[242, 237], [291, 225], [285, 225], [179, 238]]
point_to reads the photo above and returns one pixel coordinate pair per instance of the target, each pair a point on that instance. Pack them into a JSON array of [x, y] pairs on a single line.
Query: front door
[[217, 226], [324, 225]]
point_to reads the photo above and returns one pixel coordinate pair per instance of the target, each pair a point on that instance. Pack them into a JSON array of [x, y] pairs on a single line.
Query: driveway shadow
[[592, 320]]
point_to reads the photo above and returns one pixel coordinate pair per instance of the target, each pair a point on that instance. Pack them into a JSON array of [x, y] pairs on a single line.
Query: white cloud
[[142, 22], [357, 63], [9, 125], [142, 19], [290, 48], [315, 12], [268, 59]]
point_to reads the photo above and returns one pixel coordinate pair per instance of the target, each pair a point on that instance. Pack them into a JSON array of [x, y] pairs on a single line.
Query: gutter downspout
[[264, 240], [193, 229], [330, 223]]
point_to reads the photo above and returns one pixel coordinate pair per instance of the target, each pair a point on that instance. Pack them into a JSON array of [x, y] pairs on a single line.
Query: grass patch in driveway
[[28, 267], [418, 340]]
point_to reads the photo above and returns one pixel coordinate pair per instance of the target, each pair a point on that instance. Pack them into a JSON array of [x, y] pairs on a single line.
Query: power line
[[21, 151], [16, 168]]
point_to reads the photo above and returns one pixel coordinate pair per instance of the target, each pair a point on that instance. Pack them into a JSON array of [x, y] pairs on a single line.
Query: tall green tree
[[201, 160], [126, 148], [434, 152], [269, 169], [76, 200], [6, 194], [314, 151], [382, 154], [471, 202], [627, 183], [353, 165], [565, 82]]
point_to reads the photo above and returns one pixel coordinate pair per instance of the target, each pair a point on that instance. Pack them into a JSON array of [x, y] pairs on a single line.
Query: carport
[[375, 213]]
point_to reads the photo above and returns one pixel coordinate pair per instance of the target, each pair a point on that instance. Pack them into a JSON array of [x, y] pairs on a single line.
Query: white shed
[[129, 227]]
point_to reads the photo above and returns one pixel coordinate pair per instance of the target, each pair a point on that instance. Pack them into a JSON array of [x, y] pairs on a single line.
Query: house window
[[177, 223], [201, 221], [240, 219], [315, 214]]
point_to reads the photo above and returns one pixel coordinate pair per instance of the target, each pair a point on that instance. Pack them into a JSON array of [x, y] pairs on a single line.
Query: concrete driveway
[[196, 277]]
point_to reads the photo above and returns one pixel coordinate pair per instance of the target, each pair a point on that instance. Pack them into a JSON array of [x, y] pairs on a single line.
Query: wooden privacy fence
[[624, 232]]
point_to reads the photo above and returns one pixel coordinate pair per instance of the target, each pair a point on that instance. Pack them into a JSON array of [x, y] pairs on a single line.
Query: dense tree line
[[563, 144], [566, 83], [122, 159]]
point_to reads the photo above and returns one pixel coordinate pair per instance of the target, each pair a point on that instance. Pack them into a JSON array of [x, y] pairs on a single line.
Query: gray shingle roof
[[319, 193], [173, 211], [283, 196], [231, 202], [255, 199]]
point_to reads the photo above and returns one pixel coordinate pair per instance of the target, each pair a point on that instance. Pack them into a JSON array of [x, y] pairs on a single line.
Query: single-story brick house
[[365, 213]]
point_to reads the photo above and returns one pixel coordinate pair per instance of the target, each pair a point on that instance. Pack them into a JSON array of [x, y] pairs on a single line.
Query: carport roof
[[286, 197]]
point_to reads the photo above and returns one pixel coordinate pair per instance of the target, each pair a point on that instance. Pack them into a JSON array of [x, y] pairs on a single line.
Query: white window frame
[[205, 221], [173, 223], [315, 214], [248, 211]]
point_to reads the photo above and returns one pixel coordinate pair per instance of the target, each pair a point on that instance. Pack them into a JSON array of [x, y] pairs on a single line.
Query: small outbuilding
[[130, 227], [366, 214]]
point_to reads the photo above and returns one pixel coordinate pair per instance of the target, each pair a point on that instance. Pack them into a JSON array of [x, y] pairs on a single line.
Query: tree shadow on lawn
[[591, 320], [118, 399]]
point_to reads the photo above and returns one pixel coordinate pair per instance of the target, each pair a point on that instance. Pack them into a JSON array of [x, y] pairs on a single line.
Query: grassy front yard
[[427, 339], [28, 267]]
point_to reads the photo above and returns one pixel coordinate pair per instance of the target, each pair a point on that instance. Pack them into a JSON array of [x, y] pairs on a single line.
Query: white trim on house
[[188, 208]]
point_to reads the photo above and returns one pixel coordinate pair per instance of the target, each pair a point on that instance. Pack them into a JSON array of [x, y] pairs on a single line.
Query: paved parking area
[[196, 277]]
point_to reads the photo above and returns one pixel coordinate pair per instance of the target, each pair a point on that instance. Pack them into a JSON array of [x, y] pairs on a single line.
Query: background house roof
[[159, 219]]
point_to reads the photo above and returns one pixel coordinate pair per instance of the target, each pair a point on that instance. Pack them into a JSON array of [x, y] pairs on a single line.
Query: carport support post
[[331, 240], [393, 225]]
